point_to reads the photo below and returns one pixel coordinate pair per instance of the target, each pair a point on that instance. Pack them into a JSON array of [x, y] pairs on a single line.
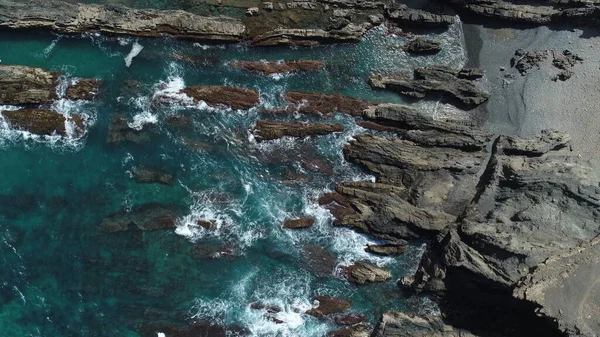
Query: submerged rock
[[423, 46], [318, 260], [299, 223], [219, 96], [394, 324], [145, 217], [329, 305], [148, 175], [269, 130], [455, 84], [64, 17], [363, 273], [349, 319], [42, 121], [83, 89], [275, 67], [120, 132]]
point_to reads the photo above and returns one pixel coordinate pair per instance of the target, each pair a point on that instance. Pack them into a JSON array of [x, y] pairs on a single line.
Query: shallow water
[[61, 276]]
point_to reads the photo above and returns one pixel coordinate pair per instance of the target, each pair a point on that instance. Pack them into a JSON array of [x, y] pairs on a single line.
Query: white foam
[[136, 48], [160, 334]]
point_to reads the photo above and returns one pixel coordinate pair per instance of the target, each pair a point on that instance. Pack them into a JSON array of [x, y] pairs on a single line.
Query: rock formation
[[269, 130], [363, 273], [274, 67], [149, 175], [329, 305], [145, 217], [458, 85], [42, 121], [423, 46], [321, 104], [298, 223], [223, 96], [396, 324]]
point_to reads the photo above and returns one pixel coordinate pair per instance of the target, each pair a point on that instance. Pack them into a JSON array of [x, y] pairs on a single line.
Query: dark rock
[[394, 324], [42, 121], [219, 96], [274, 67], [206, 224], [146, 217], [325, 105], [337, 204], [386, 250], [120, 132], [310, 37], [317, 165], [64, 17], [349, 319], [269, 130], [329, 305], [318, 260], [359, 330], [423, 46], [450, 82], [148, 175], [363, 273], [299, 223], [86, 89], [525, 61], [208, 251], [401, 14]]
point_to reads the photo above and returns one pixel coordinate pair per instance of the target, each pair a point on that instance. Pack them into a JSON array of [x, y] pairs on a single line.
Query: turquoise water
[[61, 276]]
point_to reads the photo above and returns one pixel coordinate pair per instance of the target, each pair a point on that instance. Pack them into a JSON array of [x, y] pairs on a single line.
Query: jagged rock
[[359, 330], [269, 130], [524, 61], [145, 217], [423, 46], [270, 311], [317, 165], [386, 249], [457, 85], [64, 17], [329, 305], [148, 175], [324, 104], [401, 14], [318, 260], [274, 67], [548, 140], [119, 132], [311, 37], [42, 121], [363, 273], [396, 324], [349, 319], [299, 223], [22, 85], [219, 96]]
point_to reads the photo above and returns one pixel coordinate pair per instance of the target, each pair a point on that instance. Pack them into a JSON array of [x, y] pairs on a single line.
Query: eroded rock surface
[[43, 121], [269, 130], [423, 46], [223, 96], [329, 305], [396, 324], [363, 273]]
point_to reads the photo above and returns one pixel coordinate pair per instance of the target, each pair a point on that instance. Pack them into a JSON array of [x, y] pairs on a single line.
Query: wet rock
[[363, 273], [120, 132], [270, 311], [325, 105], [220, 96], [22, 85], [206, 224], [401, 14], [337, 204], [269, 130], [274, 67], [394, 324], [317, 165], [318, 260], [64, 17], [42, 121], [423, 46], [149, 175], [386, 250], [176, 123], [359, 330], [209, 251], [456, 85], [349, 319], [146, 217], [329, 305], [299, 223]]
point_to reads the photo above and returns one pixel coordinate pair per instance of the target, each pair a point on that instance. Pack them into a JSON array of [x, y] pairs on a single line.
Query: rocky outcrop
[[223, 96], [64, 17], [349, 319], [363, 273], [322, 104], [150, 175], [43, 121], [269, 130], [359, 330], [423, 46], [311, 37], [120, 132], [457, 85], [274, 67], [533, 12], [402, 14], [299, 223], [145, 217], [318, 260], [525, 61], [386, 250], [396, 324], [22, 85], [329, 305]]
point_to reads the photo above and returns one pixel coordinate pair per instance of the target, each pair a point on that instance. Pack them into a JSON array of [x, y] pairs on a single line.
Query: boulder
[[386, 250], [423, 46], [456, 85], [223, 96], [299, 223], [274, 67], [349, 319], [42, 121], [363, 273], [269, 130], [329, 305]]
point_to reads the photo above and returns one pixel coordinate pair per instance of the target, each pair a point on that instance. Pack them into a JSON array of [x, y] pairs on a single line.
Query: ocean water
[[61, 276]]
